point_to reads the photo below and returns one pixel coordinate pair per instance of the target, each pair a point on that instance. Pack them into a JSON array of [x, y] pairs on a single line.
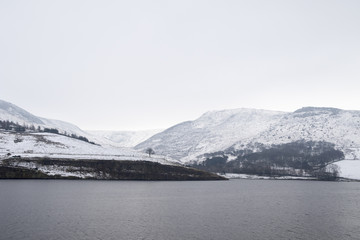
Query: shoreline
[[240, 176]]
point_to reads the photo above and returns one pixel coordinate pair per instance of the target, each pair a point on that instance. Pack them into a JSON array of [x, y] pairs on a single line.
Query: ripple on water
[[236, 209]]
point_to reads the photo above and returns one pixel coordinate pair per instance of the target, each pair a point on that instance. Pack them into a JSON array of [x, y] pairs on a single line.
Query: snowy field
[[248, 176], [349, 169], [58, 146]]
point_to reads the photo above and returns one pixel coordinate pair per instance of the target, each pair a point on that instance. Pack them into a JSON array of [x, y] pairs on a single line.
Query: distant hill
[[250, 141], [125, 138], [26, 140], [213, 131], [262, 141], [13, 113], [239, 129]]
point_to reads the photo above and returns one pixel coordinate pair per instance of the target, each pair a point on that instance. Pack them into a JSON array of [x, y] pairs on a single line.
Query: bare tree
[[150, 151], [329, 173], [334, 170]]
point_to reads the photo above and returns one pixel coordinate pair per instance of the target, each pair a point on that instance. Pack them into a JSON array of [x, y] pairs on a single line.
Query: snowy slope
[[46, 144], [58, 146], [125, 138], [213, 131], [237, 129], [13, 113], [349, 169], [313, 124]]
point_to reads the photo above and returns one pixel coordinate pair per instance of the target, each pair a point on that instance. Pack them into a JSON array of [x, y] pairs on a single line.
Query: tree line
[[298, 158], [16, 127]]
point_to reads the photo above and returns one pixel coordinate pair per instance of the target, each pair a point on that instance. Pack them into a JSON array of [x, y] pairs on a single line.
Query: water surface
[[235, 209]]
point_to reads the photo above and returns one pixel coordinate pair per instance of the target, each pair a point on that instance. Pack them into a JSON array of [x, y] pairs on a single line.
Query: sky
[[133, 65]]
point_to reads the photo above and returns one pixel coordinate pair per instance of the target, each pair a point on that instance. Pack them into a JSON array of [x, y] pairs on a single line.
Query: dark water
[[236, 209]]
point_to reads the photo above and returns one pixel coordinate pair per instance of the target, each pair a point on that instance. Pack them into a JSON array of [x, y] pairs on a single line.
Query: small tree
[[328, 173], [149, 151], [333, 170]]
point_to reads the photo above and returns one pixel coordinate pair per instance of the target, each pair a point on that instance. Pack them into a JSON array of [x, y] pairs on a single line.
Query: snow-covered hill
[[213, 131], [40, 144], [13, 113], [333, 125], [125, 138], [230, 130], [50, 145], [225, 132]]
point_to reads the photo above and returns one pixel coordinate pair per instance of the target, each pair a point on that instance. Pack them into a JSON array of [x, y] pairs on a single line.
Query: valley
[[311, 142]]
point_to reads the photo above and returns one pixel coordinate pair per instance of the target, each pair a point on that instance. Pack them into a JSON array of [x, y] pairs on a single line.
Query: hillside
[[240, 129], [59, 146], [124, 138], [245, 141], [53, 156], [250, 141], [213, 131], [26, 135], [34, 147], [340, 127], [13, 113]]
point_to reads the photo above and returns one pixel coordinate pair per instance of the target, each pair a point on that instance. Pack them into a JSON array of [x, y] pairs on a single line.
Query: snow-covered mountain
[[13, 113], [225, 134], [341, 127], [231, 130], [45, 144], [125, 138], [213, 131], [30, 145]]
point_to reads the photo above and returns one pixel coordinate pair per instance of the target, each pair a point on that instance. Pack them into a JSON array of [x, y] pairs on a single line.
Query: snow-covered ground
[[248, 176], [52, 170], [213, 131], [239, 129], [337, 126], [58, 146], [349, 169], [13, 113]]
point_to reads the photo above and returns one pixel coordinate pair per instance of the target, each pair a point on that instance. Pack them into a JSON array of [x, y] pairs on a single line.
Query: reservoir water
[[235, 209]]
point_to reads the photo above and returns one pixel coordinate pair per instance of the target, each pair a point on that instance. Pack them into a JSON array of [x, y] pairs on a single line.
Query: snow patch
[[349, 169], [59, 146], [248, 176]]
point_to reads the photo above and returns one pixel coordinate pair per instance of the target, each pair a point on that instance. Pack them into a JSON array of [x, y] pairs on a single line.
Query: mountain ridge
[[42, 137], [34, 147], [236, 129], [216, 136], [13, 113]]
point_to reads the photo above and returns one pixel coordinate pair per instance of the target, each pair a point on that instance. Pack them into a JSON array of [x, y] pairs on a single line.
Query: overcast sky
[[128, 65]]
